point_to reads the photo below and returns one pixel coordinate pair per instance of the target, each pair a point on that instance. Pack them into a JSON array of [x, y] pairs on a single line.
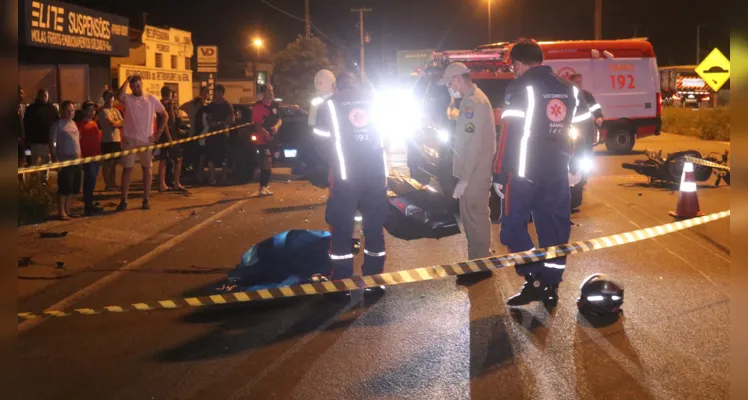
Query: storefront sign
[[207, 58], [63, 26], [155, 74]]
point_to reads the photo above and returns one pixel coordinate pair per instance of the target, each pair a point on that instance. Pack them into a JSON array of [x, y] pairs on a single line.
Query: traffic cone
[[688, 200]]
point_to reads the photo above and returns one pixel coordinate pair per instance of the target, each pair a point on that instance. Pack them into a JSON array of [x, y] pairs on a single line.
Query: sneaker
[[122, 206], [256, 194], [265, 192], [375, 291], [93, 210]]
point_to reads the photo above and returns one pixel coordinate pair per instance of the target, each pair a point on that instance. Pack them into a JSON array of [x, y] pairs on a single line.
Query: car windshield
[[494, 89]]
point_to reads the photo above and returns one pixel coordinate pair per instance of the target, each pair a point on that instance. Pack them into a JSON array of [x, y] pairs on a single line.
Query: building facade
[[163, 58], [66, 49]]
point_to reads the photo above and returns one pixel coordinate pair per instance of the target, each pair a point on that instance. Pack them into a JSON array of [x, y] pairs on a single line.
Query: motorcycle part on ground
[[600, 296]]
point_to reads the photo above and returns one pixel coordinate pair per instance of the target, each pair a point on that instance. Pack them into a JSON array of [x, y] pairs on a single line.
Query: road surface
[[429, 340]]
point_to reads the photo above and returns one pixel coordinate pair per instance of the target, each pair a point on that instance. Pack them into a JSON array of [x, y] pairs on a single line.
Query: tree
[[294, 68]]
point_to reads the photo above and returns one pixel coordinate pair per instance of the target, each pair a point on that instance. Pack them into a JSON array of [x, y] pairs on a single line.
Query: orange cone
[[688, 200]]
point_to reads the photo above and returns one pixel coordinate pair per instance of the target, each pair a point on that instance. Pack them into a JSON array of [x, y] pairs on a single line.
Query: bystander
[[64, 145], [90, 146], [37, 121], [138, 132], [110, 122]]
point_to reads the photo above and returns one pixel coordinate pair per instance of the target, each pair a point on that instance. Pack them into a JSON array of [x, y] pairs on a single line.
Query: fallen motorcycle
[[669, 169]]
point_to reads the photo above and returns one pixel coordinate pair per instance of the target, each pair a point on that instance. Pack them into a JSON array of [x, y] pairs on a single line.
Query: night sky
[[442, 24]]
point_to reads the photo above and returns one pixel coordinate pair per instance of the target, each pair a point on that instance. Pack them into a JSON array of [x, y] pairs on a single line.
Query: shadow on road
[[246, 326], [606, 363], [630, 153], [300, 207]]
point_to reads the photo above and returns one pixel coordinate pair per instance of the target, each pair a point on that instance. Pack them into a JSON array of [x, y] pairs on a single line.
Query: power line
[[288, 14]]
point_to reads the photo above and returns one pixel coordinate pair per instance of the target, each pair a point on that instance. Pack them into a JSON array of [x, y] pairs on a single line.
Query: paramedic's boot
[[550, 296], [376, 291], [530, 292], [533, 290]]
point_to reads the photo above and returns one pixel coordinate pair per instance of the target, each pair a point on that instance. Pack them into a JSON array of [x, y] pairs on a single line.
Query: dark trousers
[[370, 197], [90, 173], [548, 203]]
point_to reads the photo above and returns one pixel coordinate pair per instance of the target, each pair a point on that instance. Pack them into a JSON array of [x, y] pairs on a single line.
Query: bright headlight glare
[[573, 133], [443, 135], [586, 165]]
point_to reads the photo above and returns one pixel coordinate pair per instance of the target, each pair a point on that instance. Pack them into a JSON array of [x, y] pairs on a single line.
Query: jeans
[[90, 173]]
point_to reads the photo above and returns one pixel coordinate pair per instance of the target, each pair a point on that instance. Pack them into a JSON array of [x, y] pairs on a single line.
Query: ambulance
[[621, 74]]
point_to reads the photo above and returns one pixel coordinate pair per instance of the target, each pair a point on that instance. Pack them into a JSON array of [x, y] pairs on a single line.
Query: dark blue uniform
[[533, 160], [358, 179]]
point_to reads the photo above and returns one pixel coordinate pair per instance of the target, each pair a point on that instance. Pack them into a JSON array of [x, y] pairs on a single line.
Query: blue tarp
[[287, 258]]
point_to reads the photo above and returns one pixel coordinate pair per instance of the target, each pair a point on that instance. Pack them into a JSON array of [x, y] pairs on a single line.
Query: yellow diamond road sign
[[715, 69]]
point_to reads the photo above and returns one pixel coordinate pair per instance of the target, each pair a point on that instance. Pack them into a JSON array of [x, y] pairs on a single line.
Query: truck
[[681, 86]]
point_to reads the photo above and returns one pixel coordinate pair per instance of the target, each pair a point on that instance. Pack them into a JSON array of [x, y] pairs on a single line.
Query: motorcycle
[[669, 169]]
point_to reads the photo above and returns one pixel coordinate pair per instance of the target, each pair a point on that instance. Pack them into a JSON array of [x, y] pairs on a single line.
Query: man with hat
[[474, 145]]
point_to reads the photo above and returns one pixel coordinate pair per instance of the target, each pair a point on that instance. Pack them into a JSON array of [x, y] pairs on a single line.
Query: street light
[[258, 43]]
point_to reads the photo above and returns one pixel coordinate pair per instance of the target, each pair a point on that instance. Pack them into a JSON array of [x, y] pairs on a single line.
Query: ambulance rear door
[[627, 88]]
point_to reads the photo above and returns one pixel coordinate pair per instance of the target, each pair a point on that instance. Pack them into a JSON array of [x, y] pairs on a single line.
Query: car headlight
[[443, 135], [573, 133], [586, 165]]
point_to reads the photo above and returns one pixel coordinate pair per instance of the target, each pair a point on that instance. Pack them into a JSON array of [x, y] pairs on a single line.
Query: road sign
[[715, 69]]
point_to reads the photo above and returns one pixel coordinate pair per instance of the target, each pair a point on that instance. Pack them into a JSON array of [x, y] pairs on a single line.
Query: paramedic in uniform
[[474, 146], [324, 87], [358, 176], [592, 104], [534, 166]]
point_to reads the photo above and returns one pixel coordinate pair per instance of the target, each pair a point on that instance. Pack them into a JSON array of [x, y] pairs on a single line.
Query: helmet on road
[[601, 296], [324, 82]]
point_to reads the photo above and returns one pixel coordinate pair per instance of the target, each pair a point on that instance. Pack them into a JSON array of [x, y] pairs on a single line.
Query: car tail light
[[659, 104], [707, 98], [254, 138]]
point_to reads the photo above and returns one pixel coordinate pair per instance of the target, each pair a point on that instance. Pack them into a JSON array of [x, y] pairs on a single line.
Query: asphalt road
[[430, 340]]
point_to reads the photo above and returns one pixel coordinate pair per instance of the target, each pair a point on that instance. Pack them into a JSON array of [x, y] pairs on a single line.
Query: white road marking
[[101, 283]]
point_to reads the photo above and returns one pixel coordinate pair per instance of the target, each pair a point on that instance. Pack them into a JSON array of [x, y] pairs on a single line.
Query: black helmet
[[601, 296]]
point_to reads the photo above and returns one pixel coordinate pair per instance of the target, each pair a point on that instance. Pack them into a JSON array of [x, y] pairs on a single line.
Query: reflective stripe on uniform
[[526, 133], [512, 113], [595, 107], [320, 132], [338, 145], [317, 101], [581, 117], [341, 257], [374, 254], [556, 266]]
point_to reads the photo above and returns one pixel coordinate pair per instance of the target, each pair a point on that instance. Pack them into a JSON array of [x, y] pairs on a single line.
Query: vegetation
[[705, 123], [35, 201], [295, 66]]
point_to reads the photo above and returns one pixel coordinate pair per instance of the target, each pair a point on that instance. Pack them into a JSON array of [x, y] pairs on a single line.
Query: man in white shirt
[[138, 132]]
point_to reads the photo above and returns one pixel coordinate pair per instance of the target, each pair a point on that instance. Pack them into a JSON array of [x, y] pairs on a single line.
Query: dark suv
[[430, 151]]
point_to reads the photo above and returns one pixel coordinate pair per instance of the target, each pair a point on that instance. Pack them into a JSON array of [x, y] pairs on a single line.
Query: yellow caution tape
[[118, 154], [399, 277], [705, 163]]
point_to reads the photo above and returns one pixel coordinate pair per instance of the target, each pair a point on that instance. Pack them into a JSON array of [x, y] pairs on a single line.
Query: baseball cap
[[452, 70]]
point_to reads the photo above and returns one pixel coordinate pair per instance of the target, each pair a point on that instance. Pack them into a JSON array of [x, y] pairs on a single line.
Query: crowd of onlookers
[[129, 119]]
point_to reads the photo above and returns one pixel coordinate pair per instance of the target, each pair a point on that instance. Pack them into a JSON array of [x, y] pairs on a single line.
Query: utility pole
[[698, 43], [361, 12], [307, 21], [598, 19], [489, 21]]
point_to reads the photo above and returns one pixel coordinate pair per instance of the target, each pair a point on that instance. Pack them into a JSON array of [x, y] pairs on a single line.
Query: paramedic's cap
[[452, 70]]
